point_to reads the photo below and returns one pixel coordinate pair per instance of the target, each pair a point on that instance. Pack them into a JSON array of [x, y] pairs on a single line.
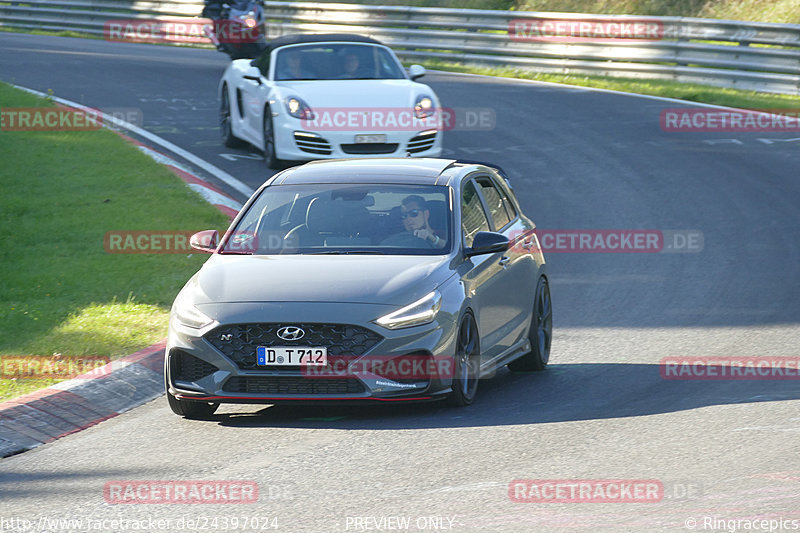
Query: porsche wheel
[[225, 126], [270, 158]]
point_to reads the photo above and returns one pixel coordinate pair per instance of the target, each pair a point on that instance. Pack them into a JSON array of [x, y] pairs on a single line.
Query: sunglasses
[[413, 213]]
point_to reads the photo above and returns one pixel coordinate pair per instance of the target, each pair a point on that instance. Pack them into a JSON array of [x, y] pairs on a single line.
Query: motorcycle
[[237, 27]]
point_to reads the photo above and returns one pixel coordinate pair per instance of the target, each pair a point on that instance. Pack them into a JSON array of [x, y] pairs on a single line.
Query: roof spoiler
[[496, 168]]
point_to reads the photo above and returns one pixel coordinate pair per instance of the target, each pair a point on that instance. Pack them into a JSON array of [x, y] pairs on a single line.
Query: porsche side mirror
[[488, 242], [253, 74], [205, 241], [416, 71]]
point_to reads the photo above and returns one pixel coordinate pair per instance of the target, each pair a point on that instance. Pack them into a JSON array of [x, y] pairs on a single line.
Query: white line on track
[[155, 139]]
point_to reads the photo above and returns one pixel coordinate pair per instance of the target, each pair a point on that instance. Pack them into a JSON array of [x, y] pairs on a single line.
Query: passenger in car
[[290, 67], [351, 67]]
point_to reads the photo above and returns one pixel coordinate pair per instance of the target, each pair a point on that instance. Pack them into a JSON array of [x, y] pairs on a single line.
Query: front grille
[[312, 144], [370, 148], [239, 342], [187, 367], [292, 385], [422, 142]]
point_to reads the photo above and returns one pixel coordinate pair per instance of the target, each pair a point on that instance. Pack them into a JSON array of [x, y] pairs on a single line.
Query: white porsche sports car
[[329, 96]]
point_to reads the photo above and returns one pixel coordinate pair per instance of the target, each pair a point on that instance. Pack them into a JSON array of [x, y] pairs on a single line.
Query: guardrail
[[745, 55]]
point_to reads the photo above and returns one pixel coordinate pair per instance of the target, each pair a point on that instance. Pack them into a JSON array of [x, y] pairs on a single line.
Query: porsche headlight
[[424, 107], [297, 108], [423, 311]]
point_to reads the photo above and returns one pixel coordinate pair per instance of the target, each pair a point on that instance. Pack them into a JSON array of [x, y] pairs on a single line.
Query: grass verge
[[60, 291]]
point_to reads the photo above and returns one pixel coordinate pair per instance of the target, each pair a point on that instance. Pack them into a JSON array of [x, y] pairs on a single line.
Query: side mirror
[[416, 71], [488, 242], [205, 241], [253, 74]]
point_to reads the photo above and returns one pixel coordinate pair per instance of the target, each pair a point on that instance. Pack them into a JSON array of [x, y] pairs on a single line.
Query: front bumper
[[296, 144], [199, 365]]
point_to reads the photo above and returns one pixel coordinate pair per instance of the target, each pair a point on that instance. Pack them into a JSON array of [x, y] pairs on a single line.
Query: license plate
[[291, 356], [360, 139]]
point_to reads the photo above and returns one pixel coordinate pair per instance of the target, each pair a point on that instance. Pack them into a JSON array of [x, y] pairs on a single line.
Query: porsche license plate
[[291, 356], [373, 138]]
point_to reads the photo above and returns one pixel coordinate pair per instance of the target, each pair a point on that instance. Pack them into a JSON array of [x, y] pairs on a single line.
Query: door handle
[[504, 261]]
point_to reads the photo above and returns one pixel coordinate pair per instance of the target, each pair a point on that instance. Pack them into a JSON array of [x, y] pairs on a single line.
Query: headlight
[[190, 316], [250, 20], [424, 107], [420, 312], [298, 108]]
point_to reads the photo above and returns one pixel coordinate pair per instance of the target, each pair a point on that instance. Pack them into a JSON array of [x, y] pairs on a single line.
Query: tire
[[541, 332], [225, 126], [467, 364], [191, 409], [270, 158]]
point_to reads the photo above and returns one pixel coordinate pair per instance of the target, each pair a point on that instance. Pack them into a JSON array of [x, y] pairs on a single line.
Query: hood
[[369, 279], [366, 93]]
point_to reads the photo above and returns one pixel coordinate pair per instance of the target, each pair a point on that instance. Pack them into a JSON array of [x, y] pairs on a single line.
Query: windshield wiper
[[236, 252], [347, 252]]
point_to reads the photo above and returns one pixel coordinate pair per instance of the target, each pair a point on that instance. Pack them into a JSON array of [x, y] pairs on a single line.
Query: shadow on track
[[562, 393]]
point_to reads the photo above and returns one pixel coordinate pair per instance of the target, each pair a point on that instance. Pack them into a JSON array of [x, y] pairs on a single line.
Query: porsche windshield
[[345, 219], [336, 61]]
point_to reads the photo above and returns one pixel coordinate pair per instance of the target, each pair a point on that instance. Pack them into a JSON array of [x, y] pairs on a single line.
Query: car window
[[335, 61], [498, 209], [509, 205], [345, 218], [473, 217]]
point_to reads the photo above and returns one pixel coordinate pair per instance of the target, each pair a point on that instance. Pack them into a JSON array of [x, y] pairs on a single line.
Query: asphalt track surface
[[725, 450]]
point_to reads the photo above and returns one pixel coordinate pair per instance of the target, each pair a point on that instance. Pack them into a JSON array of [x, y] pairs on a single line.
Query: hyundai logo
[[291, 333]]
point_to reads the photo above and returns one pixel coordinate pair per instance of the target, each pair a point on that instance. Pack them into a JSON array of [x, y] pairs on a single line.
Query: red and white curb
[[209, 192], [70, 406], [76, 404]]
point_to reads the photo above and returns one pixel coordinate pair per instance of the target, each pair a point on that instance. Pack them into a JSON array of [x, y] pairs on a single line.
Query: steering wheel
[[405, 239]]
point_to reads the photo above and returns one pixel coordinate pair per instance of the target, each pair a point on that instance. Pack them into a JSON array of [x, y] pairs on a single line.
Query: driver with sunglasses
[[416, 217]]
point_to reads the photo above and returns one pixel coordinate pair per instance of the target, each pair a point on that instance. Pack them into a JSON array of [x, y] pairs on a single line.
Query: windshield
[[337, 62], [345, 219]]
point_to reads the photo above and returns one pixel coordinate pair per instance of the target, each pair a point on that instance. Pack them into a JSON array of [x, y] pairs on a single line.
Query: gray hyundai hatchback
[[362, 280]]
